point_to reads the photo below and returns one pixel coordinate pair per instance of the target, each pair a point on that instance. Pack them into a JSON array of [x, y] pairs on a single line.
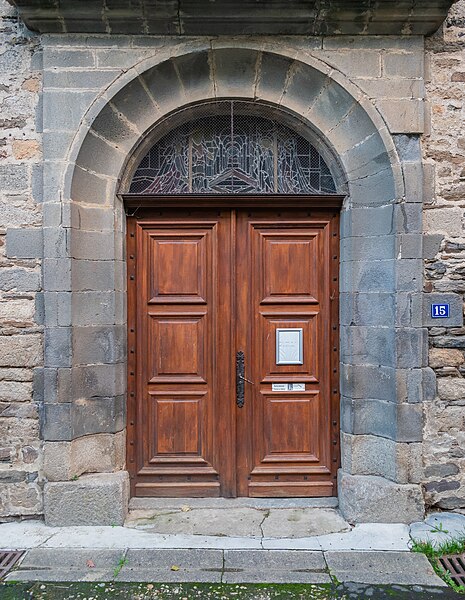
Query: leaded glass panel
[[225, 155]]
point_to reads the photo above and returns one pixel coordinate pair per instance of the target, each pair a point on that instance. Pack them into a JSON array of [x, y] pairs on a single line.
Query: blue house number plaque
[[440, 311]]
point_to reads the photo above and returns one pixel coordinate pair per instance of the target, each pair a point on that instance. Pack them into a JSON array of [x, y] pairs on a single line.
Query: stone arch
[[370, 172], [322, 98]]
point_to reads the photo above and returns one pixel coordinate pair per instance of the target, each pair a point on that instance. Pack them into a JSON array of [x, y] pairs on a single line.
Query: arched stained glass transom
[[226, 154]]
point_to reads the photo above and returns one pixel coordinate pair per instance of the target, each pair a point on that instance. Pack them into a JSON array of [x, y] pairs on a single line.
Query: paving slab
[[274, 566], [382, 568], [172, 565], [366, 536], [439, 528], [52, 564], [303, 522]]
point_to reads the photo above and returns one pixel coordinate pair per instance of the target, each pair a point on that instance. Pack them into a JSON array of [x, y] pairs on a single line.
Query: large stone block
[[371, 499], [94, 345], [109, 125], [136, 105], [94, 308], [273, 76], [404, 64], [86, 79], [411, 347], [24, 243], [413, 178], [374, 455], [57, 347], [448, 221], [368, 221], [99, 156], [99, 453], [98, 415], [409, 309], [88, 187], [330, 106], [409, 275], [366, 381], [375, 189], [366, 157], [56, 422], [98, 381], [19, 280], [303, 87], [73, 106], [20, 350], [348, 61], [404, 115], [57, 274], [368, 248], [91, 500], [353, 129], [368, 276], [92, 245], [235, 71], [93, 275], [164, 85], [59, 58], [452, 389], [408, 147], [373, 308], [92, 218], [194, 73], [367, 346], [409, 217]]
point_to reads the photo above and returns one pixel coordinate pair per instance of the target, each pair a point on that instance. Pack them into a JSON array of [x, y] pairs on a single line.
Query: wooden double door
[[233, 352]]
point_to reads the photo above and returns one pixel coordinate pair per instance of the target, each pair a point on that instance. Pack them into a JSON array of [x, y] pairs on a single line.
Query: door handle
[[240, 379]]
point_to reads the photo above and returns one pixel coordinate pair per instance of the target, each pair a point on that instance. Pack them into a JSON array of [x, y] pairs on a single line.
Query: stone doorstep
[[232, 519], [216, 566]]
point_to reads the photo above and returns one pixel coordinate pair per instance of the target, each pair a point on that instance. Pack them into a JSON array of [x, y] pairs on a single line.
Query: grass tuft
[[435, 551]]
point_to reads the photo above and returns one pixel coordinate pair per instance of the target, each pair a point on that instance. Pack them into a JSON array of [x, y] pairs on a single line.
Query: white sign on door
[[289, 348]]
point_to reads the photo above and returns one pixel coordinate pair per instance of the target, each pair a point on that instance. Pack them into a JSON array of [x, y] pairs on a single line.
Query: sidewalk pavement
[[371, 553]]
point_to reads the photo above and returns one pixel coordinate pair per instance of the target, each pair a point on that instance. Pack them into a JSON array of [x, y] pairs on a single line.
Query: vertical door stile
[[334, 323], [131, 457]]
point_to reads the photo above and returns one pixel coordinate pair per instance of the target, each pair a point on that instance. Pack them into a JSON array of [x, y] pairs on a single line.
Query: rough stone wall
[[20, 280], [444, 151]]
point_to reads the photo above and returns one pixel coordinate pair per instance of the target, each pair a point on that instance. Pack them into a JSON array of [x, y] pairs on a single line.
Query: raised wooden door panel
[[180, 288], [290, 262]]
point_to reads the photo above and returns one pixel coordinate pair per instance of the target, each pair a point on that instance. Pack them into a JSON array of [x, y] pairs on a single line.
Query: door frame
[[136, 205]]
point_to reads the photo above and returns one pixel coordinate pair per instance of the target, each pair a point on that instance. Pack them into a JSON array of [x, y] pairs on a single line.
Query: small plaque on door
[[289, 349], [288, 387]]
